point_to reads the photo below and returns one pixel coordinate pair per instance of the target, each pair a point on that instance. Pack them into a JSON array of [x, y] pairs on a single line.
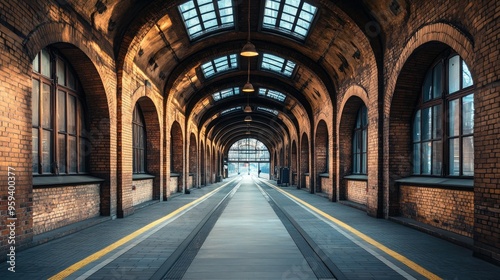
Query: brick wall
[[326, 185], [304, 162], [449, 209], [173, 183], [321, 156], [142, 191], [59, 206], [356, 191]]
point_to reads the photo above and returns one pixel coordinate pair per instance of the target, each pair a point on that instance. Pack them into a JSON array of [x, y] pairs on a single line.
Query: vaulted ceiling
[[345, 36]]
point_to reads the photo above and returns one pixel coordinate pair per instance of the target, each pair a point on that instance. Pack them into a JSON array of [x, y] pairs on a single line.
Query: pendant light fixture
[[249, 48], [248, 87]]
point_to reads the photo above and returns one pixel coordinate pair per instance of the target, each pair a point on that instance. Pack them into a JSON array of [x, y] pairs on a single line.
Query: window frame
[[70, 88], [360, 159], [204, 32], [139, 163], [281, 14], [443, 100], [217, 66]]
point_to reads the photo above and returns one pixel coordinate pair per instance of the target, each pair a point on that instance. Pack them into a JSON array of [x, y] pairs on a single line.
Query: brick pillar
[[487, 174]]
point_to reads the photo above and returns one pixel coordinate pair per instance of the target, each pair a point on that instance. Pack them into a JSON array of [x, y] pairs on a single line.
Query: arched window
[[359, 142], [59, 134], [139, 141], [443, 126]]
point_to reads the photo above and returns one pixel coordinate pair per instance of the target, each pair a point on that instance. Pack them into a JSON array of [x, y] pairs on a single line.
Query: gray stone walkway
[[248, 242]]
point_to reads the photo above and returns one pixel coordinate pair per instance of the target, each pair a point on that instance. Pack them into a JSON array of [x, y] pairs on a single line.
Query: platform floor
[[243, 230]]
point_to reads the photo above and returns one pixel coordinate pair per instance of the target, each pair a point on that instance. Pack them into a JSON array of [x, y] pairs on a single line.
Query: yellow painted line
[[99, 254], [411, 264]]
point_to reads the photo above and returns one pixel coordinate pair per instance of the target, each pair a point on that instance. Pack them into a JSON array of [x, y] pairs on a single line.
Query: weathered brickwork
[[304, 162], [449, 209], [174, 182], [384, 73], [142, 191], [356, 191], [54, 207]]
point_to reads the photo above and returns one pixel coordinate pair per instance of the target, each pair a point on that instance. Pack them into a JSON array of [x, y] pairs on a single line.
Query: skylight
[[218, 65], [277, 64], [264, 109], [225, 93], [272, 94], [290, 17], [227, 111], [207, 16]]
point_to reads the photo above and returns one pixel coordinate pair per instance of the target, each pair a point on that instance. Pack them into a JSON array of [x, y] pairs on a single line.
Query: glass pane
[[36, 64], [81, 121], [466, 76], [45, 63], [416, 127], [426, 123], [73, 152], [34, 148], [46, 106], [72, 114], [363, 163], [60, 72], [83, 155], [437, 161], [71, 80], [141, 161], [62, 153], [46, 151], [454, 159], [437, 84], [35, 103], [364, 140], [468, 114], [437, 128], [427, 88], [426, 158], [61, 110], [355, 142], [454, 74], [416, 158], [468, 156], [454, 118]]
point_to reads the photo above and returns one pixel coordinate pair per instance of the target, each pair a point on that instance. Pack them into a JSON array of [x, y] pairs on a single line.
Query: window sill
[[324, 175], [357, 177], [54, 181], [173, 174], [451, 183], [142, 176]]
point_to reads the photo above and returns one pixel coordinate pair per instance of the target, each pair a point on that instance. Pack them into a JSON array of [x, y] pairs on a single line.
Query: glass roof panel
[[226, 93], [207, 16], [274, 112], [277, 64], [272, 94], [219, 65], [227, 111], [289, 17]]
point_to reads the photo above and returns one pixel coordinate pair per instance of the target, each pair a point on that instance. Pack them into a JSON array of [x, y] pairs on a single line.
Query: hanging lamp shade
[[249, 50], [247, 109], [248, 119], [248, 87]]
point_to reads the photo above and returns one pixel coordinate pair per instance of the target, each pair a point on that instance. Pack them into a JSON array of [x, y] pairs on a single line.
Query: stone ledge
[[142, 176], [54, 181], [452, 183], [358, 177]]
